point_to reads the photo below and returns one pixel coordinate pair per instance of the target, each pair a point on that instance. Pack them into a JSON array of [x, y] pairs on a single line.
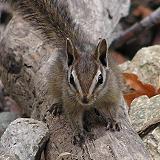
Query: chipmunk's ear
[[71, 52], [101, 52]]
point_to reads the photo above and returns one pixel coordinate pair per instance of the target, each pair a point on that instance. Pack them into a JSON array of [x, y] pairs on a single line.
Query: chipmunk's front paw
[[78, 139], [113, 125], [56, 109]]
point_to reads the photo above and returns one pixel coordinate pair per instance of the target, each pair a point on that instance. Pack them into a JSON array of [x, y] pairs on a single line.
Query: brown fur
[[51, 17], [53, 20]]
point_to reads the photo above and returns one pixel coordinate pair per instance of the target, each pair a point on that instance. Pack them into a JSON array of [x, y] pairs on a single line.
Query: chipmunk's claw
[[56, 109], [113, 125]]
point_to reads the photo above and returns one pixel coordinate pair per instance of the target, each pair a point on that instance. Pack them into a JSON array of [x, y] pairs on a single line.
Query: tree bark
[[24, 64]]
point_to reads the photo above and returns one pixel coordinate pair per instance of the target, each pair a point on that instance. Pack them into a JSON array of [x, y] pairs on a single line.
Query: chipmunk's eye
[[72, 82], [100, 79], [72, 79]]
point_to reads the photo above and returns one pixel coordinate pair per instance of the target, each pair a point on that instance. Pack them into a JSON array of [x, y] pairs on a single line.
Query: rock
[[145, 112], [5, 119], [152, 142], [1, 95], [25, 138], [6, 156], [1, 106], [145, 64]]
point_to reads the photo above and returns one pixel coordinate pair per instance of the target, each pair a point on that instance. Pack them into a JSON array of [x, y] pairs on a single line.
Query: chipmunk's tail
[[49, 16]]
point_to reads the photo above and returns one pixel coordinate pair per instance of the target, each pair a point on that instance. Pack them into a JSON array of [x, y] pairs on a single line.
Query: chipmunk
[[82, 75]]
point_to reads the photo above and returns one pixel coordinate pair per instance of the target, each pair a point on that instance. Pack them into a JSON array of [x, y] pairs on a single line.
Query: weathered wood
[[138, 28], [28, 86]]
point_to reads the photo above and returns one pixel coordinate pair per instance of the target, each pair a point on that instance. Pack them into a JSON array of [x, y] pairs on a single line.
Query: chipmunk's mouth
[[85, 101]]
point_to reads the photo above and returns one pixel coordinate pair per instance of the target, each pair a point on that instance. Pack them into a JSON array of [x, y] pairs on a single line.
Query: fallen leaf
[[137, 88]]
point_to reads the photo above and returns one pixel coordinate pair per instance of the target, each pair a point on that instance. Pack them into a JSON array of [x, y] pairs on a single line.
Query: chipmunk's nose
[[85, 100]]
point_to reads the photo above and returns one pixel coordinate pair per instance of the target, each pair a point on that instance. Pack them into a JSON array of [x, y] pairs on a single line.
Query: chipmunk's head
[[87, 72]]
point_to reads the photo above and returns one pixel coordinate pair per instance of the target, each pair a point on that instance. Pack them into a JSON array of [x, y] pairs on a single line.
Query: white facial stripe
[[77, 82], [97, 75], [94, 82]]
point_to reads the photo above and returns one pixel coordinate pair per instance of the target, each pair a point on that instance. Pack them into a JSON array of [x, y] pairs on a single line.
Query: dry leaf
[[137, 88]]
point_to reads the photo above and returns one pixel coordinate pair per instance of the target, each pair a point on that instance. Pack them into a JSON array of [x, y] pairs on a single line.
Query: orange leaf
[[132, 80], [158, 91], [149, 90], [131, 96], [138, 87]]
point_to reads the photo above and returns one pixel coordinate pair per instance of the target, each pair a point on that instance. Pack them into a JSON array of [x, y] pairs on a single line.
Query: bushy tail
[[49, 16]]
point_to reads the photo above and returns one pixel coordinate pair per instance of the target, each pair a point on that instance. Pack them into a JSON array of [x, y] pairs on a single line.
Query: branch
[[137, 29]]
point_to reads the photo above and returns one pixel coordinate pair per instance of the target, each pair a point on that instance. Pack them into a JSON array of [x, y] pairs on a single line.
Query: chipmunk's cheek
[[93, 98], [78, 97]]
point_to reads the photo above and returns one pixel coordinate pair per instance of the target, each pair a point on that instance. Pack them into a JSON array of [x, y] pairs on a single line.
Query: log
[[138, 28], [24, 64]]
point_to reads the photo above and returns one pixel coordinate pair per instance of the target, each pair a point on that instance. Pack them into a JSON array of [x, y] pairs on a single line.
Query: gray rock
[[145, 112], [25, 138], [5, 119], [145, 64], [1, 95], [152, 142], [4, 155]]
